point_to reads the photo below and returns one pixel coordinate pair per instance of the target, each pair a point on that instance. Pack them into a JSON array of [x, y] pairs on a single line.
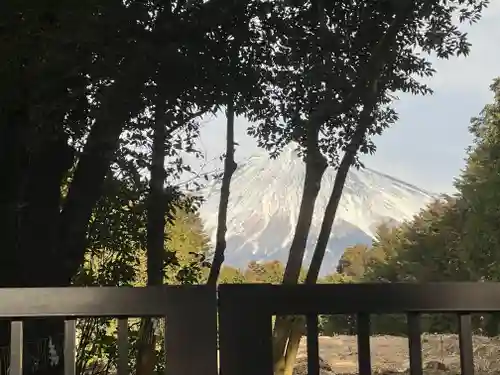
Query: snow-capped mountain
[[265, 200]]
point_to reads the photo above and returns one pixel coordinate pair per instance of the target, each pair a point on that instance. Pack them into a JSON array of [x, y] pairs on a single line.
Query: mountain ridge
[[265, 199]]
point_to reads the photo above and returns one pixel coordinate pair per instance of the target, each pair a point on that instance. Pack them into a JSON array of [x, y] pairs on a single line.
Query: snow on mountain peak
[[265, 200]]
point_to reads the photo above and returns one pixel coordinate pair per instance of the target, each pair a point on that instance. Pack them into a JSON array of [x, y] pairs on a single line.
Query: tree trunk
[[365, 121], [369, 98], [315, 165], [366, 89], [283, 328], [35, 215], [93, 165], [34, 168], [315, 168], [292, 347], [229, 169], [44, 244], [146, 357], [334, 200]]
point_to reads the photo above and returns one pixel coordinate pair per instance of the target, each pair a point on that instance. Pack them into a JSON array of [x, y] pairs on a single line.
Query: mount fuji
[[265, 200]]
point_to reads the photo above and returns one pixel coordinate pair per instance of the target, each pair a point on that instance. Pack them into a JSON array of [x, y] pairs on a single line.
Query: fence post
[[245, 331], [191, 331]]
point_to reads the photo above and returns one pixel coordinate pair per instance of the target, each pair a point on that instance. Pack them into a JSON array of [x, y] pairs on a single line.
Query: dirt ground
[[389, 355]]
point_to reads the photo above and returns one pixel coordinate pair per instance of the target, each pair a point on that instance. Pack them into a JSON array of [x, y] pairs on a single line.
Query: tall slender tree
[[355, 56], [229, 168]]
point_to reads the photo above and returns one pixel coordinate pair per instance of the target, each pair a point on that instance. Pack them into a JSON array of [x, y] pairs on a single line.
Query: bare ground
[[390, 355]]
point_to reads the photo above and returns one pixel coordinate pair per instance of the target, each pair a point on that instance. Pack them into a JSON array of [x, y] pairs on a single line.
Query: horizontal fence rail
[[191, 312], [244, 316], [247, 350]]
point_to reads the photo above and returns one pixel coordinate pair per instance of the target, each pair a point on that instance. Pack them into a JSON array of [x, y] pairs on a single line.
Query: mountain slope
[[265, 200]]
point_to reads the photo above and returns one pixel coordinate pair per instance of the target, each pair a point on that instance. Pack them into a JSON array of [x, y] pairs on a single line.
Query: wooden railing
[[191, 312], [245, 313]]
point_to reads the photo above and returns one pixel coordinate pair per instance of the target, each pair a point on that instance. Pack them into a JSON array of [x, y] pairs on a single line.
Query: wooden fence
[[244, 314], [191, 311]]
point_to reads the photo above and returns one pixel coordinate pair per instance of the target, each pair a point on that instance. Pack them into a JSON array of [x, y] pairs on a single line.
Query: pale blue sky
[[427, 146]]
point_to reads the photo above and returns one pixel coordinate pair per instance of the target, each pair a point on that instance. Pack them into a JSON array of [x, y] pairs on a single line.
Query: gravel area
[[390, 355]]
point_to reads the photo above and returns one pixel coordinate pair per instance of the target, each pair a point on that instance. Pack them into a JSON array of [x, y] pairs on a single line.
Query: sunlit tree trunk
[[287, 329], [315, 165], [366, 119]]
